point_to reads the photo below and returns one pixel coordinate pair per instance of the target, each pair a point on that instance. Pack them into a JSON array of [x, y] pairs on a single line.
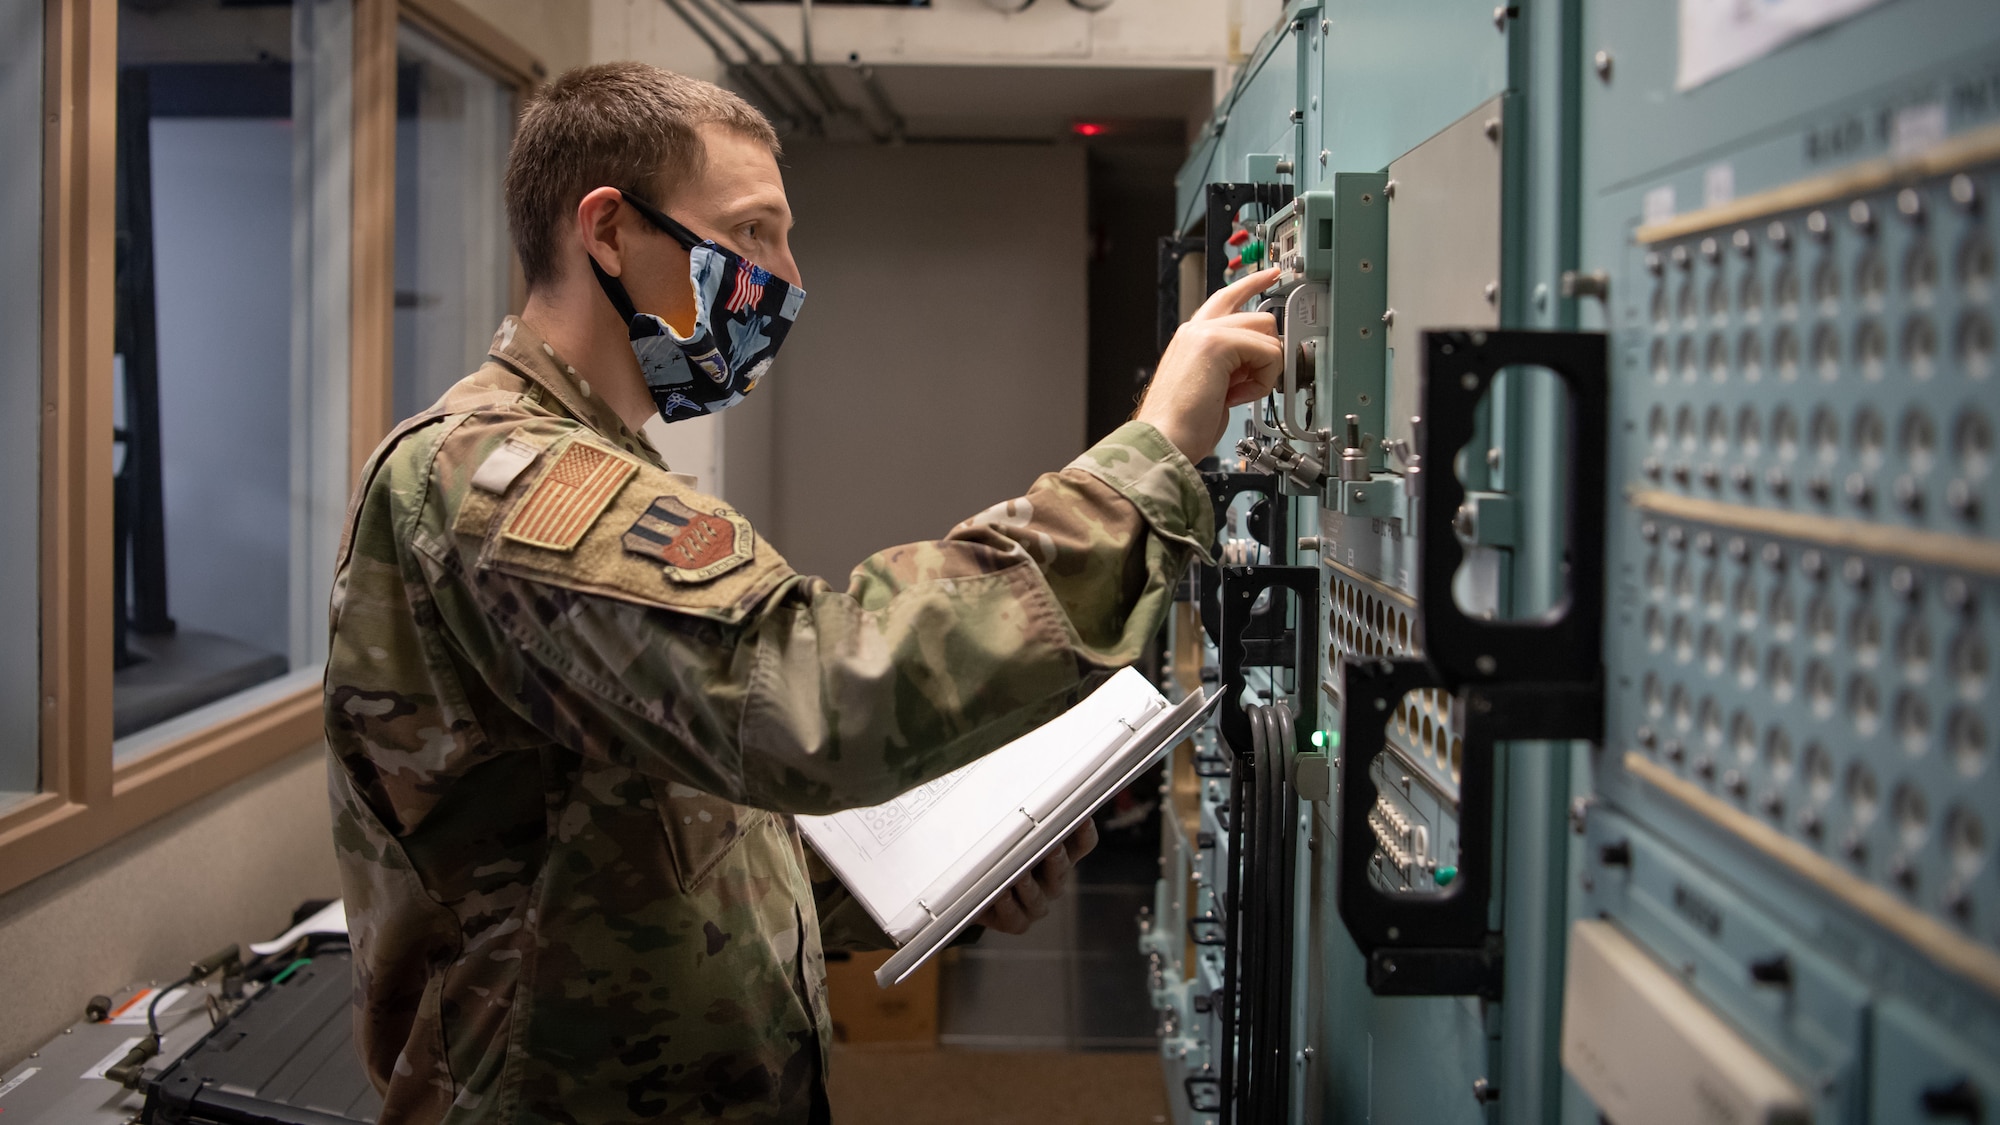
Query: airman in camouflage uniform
[[562, 771]]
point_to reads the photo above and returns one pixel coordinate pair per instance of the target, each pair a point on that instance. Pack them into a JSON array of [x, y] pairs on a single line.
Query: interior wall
[[230, 867], [938, 365], [557, 31]]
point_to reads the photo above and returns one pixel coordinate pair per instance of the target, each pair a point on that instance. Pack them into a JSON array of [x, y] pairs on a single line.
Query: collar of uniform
[[523, 349]]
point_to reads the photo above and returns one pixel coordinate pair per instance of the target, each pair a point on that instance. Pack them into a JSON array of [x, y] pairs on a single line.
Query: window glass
[[453, 260], [234, 201], [20, 392]]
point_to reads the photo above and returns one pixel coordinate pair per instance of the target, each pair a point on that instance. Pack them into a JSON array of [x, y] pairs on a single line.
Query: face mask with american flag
[[742, 313]]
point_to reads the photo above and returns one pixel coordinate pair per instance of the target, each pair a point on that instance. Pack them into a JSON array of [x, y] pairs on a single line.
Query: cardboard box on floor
[[906, 1015]]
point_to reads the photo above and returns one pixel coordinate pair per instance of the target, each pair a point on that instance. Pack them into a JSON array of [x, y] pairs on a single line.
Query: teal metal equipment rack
[[1639, 445]]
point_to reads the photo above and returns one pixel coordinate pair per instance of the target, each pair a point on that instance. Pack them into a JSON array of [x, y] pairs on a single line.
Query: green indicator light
[[1444, 875], [1319, 738], [1333, 740]]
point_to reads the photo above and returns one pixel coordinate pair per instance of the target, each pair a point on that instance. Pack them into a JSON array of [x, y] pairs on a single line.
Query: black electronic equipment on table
[[286, 1057]]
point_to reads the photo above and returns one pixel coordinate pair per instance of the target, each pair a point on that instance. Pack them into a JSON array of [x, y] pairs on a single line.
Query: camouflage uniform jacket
[[570, 702]]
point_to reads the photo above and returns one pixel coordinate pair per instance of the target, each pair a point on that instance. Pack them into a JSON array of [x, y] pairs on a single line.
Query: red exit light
[[1087, 129]]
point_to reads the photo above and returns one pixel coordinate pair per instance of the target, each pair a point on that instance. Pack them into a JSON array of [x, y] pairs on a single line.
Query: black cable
[[1258, 884], [1232, 941]]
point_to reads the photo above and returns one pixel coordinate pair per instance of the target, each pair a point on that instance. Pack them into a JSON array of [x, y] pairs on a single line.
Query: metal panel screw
[[1682, 258], [1860, 490], [1817, 224], [1389, 316], [1861, 215], [1964, 192], [1492, 292], [1779, 234], [1575, 283], [1856, 573], [1903, 581], [1500, 17], [1389, 190], [1745, 245], [1603, 63], [1298, 115], [1323, 155], [1958, 495], [1909, 496], [1492, 128], [1484, 1092], [1957, 594], [1710, 251], [1910, 204], [1325, 26]]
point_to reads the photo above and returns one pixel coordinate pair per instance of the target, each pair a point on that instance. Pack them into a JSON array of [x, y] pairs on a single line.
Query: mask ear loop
[[615, 290], [687, 238]]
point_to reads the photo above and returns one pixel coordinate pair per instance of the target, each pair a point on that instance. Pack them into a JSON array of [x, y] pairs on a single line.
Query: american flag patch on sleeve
[[568, 498]]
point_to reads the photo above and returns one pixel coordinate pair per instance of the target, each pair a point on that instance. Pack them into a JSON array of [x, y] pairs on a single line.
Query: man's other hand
[[1027, 901], [1220, 358]]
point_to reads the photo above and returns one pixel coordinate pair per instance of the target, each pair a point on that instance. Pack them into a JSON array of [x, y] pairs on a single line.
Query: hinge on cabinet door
[[1510, 680]]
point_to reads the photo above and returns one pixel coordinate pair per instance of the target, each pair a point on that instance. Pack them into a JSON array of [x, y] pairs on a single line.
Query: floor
[[1053, 1027], [1076, 981], [889, 1086]]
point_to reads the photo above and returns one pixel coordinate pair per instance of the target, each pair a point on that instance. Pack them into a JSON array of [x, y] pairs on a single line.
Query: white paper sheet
[[924, 844], [331, 919], [1718, 36]]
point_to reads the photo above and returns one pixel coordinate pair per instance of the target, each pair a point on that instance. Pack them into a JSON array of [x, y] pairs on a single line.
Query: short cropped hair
[[625, 125]]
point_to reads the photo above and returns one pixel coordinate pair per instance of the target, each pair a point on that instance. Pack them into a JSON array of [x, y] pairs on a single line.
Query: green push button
[[1253, 250], [1444, 875]]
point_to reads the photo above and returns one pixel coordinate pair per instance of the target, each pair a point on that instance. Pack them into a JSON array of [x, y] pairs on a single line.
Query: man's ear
[[598, 218]]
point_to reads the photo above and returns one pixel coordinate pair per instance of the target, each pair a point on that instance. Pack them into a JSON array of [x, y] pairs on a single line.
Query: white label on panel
[[1917, 127], [1718, 185], [1659, 204]]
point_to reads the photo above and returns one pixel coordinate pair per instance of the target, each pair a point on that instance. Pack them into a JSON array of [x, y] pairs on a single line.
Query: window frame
[[85, 800]]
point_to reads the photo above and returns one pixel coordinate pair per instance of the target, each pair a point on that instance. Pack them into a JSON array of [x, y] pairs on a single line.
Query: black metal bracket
[[1224, 200], [1566, 645], [1438, 943], [1510, 680], [1209, 1100], [1168, 309], [1295, 648], [1271, 530]]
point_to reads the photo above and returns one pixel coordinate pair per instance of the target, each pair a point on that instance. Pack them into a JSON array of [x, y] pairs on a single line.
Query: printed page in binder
[[914, 850]]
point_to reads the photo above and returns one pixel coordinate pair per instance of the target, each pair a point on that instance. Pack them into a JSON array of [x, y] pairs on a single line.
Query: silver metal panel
[[1444, 246]]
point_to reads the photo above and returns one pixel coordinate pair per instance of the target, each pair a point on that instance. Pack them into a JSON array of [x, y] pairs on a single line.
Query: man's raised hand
[[1220, 358]]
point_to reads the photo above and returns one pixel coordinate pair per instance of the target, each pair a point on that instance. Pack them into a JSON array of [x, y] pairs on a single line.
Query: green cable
[[290, 969]]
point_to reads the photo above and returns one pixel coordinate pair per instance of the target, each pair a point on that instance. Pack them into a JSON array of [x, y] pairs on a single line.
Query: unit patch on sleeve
[[695, 546], [568, 498]]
